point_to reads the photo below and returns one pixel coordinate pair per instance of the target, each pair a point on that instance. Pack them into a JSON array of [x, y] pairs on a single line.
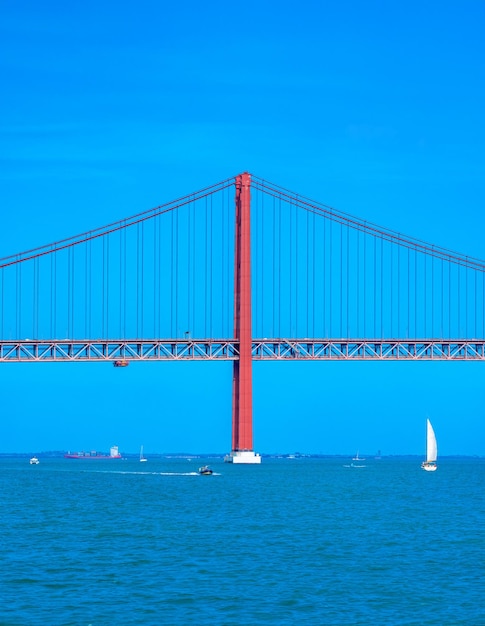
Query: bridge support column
[[242, 381]]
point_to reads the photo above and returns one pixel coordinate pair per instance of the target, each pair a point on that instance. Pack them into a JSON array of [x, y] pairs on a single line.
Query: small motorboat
[[34, 461], [205, 470]]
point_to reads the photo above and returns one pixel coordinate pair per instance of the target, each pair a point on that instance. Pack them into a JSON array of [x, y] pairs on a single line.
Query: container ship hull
[[113, 454], [87, 455]]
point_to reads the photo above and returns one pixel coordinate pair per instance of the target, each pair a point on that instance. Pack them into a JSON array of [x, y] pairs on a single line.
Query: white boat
[[142, 458], [431, 449], [34, 461], [357, 457]]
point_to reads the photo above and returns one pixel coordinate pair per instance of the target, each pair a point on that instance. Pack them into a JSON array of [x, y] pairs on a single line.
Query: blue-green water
[[303, 541]]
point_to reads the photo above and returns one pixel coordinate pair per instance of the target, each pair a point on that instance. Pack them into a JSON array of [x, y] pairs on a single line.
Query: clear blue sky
[[108, 109]]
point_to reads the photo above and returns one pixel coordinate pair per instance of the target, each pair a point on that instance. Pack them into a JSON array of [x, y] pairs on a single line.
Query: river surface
[[292, 541]]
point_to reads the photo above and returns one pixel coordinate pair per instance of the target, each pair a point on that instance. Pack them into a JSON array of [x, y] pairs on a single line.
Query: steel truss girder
[[115, 350], [366, 350], [228, 350]]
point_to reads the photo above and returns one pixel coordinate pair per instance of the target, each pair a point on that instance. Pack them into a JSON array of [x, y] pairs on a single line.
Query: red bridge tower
[[242, 395]]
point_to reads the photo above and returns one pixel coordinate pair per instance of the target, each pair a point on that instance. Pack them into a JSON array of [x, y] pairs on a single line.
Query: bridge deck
[[228, 350]]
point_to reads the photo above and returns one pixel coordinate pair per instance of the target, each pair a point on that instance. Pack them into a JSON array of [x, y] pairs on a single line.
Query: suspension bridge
[[242, 270]]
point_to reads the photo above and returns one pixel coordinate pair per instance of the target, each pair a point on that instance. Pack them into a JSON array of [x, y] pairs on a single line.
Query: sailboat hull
[[429, 467]]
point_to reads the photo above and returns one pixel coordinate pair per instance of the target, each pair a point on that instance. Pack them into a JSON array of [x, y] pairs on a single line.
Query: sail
[[431, 446]]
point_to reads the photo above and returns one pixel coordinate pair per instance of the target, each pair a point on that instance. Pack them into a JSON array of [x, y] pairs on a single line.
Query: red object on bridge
[[242, 397], [121, 363]]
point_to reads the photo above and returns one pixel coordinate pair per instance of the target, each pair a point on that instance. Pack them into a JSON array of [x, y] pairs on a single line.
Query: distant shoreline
[[283, 455]]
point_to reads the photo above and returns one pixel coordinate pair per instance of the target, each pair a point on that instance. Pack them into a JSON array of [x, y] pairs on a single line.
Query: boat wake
[[145, 473]]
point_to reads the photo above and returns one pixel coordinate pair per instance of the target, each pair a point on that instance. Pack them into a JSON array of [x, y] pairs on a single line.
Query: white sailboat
[[358, 460], [431, 449], [142, 458]]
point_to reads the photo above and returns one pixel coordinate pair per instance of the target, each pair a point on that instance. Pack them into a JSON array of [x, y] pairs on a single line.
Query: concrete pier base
[[243, 456]]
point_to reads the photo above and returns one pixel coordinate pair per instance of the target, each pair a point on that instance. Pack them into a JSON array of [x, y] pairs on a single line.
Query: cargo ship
[[113, 454]]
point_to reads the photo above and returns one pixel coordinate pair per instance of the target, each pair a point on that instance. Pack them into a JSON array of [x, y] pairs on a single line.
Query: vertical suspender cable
[[357, 307], [206, 267], [54, 333], [120, 265], [475, 305], [330, 277], [297, 269], [279, 267], [449, 300], [341, 279], [458, 300], [90, 289], [392, 289], [442, 329], [86, 283], [231, 251], [107, 285], [314, 254], [432, 296], [375, 286], [230, 246], [425, 302], [466, 299], [211, 264], [125, 298], [382, 288], [409, 294], [306, 270], [156, 316], [159, 294], [172, 275], [37, 300], [69, 293], [137, 280], [273, 330], [225, 263], [20, 300], [256, 248], [176, 272], [365, 283], [263, 264], [103, 288], [291, 267], [73, 291], [52, 257], [2, 309], [142, 284], [194, 251], [415, 292], [324, 290], [398, 290], [348, 279], [33, 299], [189, 267]]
